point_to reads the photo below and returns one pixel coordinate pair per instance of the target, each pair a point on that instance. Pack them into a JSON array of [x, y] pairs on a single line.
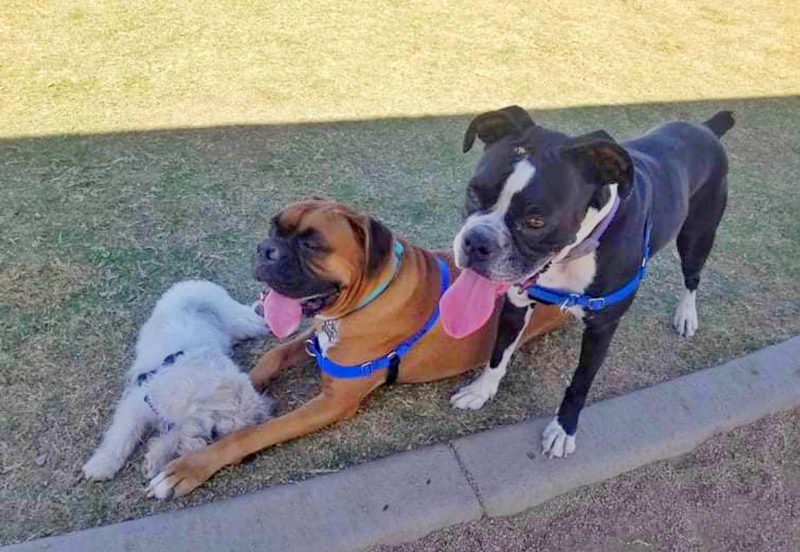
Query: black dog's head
[[531, 191]]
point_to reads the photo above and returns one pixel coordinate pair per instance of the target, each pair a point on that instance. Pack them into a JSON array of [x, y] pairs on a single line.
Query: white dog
[[182, 381]]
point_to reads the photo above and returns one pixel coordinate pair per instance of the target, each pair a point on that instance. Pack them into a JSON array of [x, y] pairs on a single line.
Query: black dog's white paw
[[555, 441], [685, 320]]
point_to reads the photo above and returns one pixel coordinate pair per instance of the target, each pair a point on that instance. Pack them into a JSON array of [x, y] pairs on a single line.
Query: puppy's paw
[[555, 441], [685, 320], [475, 395], [152, 464], [100, 467]]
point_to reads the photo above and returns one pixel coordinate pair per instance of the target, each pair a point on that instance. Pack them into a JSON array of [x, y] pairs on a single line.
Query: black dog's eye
[[534, 222], [530, 222]]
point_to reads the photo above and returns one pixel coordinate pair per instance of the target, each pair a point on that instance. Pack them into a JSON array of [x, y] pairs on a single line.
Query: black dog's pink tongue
[[469, 303], [282, 314]]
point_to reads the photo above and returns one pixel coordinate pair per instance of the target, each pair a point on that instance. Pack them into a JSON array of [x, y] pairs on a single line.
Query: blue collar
[[391, 360], [566, 299], [397, 260]]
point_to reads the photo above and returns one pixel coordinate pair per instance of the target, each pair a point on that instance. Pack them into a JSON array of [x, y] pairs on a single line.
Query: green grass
[[100, 212]]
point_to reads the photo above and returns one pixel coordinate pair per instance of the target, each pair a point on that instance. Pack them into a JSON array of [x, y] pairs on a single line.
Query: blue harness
[[144, 378], [566, 299], [389, 361]]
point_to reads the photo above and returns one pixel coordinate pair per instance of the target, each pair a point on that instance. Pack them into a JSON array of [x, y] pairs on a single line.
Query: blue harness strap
[[566, 299], [144, 378], [390, 360]]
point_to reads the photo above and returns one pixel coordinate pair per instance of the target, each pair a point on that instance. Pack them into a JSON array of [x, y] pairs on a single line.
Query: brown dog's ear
[[602, 160], [493, 125], [377, 241], [379, 245]]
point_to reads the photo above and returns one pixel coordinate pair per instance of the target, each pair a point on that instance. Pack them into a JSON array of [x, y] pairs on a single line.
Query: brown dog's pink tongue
[[469, 303], [282, 314]]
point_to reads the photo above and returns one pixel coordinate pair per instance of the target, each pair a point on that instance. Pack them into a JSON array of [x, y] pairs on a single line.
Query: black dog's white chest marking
[[576, 275]]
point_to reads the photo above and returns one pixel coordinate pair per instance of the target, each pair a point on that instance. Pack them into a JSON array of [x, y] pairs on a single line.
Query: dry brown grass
[[192, 203]]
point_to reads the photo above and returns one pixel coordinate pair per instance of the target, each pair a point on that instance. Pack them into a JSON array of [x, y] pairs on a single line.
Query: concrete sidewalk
[[495, 473]]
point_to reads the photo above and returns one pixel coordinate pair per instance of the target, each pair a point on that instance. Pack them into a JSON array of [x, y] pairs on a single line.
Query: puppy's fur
[[182, 381]]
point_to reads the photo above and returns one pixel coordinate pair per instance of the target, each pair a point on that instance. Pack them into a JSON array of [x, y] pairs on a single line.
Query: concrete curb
[[624, 433], [498, 472]]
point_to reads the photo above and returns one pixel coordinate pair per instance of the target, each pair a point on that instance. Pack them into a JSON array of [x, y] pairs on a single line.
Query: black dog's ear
[[493, 125], [602, 159]]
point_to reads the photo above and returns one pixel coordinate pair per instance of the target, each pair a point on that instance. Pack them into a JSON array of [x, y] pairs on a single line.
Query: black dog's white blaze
[[493, 219]]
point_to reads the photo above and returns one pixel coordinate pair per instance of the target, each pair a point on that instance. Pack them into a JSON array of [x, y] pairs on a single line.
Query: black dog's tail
[[721, 123]]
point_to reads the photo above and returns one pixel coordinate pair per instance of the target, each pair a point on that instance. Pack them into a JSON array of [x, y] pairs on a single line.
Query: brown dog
[[327, 261]]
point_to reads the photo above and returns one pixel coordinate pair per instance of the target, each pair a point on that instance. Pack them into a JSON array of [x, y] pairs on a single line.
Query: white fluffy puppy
[[182, 382]]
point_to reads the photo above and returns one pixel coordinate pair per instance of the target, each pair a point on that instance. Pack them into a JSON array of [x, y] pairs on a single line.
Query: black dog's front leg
[[512, 323], [559, 436]]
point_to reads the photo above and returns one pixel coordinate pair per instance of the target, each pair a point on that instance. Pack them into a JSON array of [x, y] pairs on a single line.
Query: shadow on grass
[[96, 227]]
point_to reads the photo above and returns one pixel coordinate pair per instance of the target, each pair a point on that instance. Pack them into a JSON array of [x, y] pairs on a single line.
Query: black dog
[[572, 221]]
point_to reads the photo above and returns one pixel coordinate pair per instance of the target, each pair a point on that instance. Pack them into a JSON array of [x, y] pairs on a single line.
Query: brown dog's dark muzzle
[[278, 265]]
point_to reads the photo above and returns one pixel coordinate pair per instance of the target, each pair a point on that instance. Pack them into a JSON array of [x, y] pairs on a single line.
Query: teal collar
[[397, 260]]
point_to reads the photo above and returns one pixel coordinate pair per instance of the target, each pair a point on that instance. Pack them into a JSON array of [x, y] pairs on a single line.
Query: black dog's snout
[[270, 251], [479, 246]]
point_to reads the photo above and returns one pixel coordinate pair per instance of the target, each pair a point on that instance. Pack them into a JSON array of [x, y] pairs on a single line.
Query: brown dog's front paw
[[180, 477]]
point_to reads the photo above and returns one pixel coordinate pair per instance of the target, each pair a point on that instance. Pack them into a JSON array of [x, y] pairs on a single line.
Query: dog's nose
[[270, 251], [478, 246]]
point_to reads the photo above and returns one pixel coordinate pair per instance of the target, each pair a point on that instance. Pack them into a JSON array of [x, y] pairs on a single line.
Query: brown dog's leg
[[279, 358], [338, 400], [545, 319]]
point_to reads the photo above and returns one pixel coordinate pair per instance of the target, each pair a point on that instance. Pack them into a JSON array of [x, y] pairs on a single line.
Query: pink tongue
[[281, 314], [469, 303]]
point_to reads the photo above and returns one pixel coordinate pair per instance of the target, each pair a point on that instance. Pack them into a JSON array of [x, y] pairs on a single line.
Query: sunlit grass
[[78, 67]]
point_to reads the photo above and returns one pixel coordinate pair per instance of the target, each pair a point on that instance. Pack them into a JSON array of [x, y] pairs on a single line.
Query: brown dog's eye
[[307, 240], [534, 222]]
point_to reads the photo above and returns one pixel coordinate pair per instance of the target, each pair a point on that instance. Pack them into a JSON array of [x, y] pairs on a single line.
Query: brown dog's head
[[320, 257]]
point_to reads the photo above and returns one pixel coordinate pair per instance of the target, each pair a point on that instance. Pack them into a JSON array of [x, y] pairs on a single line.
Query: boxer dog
[[572, 221], [369, 295]]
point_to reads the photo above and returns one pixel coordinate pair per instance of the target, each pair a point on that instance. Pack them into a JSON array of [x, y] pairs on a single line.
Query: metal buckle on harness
[[596, 303], [366, 369], [311, 350], [570, 301]]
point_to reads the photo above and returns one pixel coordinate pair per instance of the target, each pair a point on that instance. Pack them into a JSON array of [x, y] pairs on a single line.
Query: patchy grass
[[95, 226]]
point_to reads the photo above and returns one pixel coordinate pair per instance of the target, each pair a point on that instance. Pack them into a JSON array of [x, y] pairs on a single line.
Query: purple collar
[[592, 241]]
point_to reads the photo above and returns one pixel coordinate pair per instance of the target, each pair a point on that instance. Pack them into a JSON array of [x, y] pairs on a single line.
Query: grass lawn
[[145, 145]]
